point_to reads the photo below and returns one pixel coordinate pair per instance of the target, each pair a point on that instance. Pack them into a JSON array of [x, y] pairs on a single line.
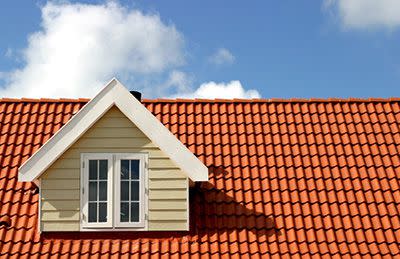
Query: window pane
[[124, 212], [92, 212], [102, 212], [135, 169], [134, 212], [134, 190], [92, 169], [92, 191], [124, 190], [102, 191], [124, 169], [103, 169]]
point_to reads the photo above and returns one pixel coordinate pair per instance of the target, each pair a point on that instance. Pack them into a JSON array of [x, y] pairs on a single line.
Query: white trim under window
[[113, 188]]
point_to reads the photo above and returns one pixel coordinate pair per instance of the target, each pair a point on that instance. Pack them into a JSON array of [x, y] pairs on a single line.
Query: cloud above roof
[[222, 56], [80, 47], [233, 89], [365, 14]]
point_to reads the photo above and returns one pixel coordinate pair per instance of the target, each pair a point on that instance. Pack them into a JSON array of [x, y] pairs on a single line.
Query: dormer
[[113, 166]]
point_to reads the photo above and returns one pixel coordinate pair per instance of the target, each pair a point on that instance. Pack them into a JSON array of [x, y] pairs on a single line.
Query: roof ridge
[[43, 100], [275, 100], [236, 100]]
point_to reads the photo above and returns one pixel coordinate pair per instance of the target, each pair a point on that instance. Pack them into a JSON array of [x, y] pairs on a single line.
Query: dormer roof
[[114, 93]]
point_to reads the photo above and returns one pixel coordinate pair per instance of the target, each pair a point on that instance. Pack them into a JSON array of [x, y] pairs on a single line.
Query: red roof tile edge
[[178, 100]]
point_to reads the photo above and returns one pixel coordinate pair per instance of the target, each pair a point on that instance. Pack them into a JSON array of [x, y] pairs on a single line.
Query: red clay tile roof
[[287, 178]]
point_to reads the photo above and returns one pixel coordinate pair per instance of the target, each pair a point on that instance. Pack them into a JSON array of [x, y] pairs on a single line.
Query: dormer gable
[[113, 166]]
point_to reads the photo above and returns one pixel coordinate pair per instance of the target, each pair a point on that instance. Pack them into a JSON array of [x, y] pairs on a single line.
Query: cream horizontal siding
[[166, 194], [59, 195], [114, 122], [60, 173], [163, 215], [163, 184], [65, 163], [169, 225], [60, 226], [101, 143], [160, 174], [64, 215], [60, 184], [65, 204], [161, 163], [113, 133], [168, 205], [116, 132]]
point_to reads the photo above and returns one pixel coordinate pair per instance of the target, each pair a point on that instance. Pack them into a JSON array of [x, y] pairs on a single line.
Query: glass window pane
[[102, 191], [124, 190], [92, 191], [135, 169], [134, 212], [103, 169], [124, 212], [92, 169], [134, 190], [102, 212], [92, 212], [124, 169]]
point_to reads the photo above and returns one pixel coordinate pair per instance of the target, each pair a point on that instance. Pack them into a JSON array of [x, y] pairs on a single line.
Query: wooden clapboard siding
[[165, 174], [159, 194], [64, 215], [166, 225], [60, 226], [55, 205], [60, 184], [162, 184], [168, 205], [59, 195], [113, 133]]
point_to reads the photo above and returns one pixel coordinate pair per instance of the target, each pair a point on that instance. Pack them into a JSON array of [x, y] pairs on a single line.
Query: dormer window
[[113, 191]]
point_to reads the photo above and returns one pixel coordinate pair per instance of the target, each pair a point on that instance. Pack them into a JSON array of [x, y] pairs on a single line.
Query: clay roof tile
[[322, 170]]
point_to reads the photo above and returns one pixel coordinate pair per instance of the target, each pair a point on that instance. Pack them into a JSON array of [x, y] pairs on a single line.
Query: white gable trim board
[[114, 93]]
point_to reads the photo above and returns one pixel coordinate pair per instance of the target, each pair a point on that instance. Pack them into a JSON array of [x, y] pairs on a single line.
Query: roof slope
[[325, 172]]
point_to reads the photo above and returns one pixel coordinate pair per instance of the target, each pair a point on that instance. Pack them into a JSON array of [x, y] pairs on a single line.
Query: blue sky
[[271, 48]]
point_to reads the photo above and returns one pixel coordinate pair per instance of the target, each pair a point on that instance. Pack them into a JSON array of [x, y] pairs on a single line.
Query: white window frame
[[113, 192], [85, 190], [142, 189]]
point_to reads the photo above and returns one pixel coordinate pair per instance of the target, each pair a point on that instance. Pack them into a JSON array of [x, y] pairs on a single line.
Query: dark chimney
[[137, 95]]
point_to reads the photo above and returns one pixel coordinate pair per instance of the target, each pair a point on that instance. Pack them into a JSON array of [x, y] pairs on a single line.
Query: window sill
[[111, 229]]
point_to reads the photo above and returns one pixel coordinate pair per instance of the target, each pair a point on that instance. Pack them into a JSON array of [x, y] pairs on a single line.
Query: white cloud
[[80, 47], [211, 90], [222, 56], [179, 81], [363, 14]]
